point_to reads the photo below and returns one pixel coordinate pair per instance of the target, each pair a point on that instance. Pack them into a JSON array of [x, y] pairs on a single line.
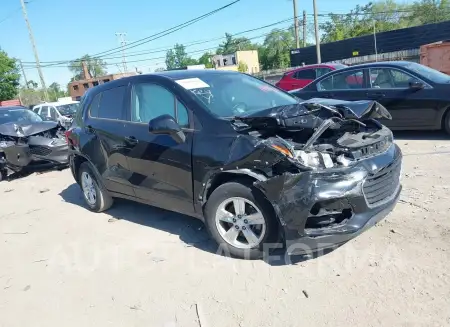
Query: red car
[[300, 77]]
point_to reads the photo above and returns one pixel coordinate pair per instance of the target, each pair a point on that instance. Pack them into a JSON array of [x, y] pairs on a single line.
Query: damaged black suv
[[257, 165]]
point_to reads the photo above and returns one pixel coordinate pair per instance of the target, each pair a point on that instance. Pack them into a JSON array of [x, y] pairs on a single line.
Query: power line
[[158, 35], [140, 53], [167, 31], [12, 13], [163, 57]]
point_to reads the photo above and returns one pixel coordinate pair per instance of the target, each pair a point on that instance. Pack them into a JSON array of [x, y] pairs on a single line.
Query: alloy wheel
[[240, 223], [88, 187]]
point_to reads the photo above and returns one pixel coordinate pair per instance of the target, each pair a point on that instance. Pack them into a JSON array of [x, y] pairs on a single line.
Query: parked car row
[[415, 95]]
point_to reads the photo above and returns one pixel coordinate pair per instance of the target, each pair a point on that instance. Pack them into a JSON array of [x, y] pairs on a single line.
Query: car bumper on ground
[[320, 210]]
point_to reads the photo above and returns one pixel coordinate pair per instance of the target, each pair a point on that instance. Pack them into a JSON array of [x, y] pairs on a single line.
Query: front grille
[[381, 186], [40, 150]]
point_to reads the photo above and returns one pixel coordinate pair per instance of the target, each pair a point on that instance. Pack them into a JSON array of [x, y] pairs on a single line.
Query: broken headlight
[[314, 159]]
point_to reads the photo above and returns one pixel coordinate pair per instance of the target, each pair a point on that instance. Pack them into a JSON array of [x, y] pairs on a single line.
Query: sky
[[67, 29]]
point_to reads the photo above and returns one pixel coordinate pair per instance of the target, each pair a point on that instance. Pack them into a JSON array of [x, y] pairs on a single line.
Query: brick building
[[78, 88]]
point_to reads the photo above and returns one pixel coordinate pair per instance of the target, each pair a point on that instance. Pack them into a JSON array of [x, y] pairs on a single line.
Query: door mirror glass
[[166, 124], [416, 85]]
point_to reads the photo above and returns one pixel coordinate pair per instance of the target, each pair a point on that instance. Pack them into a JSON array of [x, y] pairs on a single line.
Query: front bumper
[[322, 209], [38, 152], [358, 224]]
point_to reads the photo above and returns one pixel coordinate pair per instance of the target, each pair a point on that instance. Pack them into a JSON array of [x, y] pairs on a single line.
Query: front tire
[[95, 195], [240, 220]]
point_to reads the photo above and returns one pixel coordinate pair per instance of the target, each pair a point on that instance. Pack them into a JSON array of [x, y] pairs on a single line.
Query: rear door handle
[[131, 140]]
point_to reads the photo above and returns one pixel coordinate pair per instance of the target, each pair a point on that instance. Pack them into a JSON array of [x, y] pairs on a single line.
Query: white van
[[61, 112]]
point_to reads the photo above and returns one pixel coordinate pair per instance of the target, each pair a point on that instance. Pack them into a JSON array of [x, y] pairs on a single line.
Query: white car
[[61, 112]]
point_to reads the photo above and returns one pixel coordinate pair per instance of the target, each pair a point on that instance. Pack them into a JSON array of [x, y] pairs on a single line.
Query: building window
[[233, 60], [75, 87], [106, 80], [94, 83], [86, 86]]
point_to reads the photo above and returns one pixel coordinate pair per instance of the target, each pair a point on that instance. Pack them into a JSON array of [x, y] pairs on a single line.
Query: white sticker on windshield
[[192, 83]]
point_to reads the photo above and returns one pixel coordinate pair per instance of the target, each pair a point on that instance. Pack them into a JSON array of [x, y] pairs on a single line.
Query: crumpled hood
[[311, 113], [24, 129]]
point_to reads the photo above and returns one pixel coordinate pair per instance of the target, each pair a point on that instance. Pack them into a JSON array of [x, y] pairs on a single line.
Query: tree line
[[273, 51]]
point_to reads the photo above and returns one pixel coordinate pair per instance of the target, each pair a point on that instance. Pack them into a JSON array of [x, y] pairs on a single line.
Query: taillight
[[67, 135]]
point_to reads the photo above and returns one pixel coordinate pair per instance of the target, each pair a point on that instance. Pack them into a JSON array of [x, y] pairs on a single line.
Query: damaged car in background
[[28, 143], [257, 165]]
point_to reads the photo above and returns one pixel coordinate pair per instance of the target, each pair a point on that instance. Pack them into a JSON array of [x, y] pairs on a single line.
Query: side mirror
[[416, 85], [166, 124]]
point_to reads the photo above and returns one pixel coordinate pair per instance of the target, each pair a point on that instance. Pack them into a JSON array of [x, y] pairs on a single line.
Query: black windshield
[[233, 94], [18, 115]]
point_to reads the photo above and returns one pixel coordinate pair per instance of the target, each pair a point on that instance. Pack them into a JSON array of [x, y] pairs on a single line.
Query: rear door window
[[348, 80], [309, 74], [111, 104]]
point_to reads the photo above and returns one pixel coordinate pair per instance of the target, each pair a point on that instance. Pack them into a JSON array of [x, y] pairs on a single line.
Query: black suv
[[257, 165]]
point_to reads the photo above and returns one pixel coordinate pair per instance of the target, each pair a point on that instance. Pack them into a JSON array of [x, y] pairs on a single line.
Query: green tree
[[205, 59], [231, 45], [384, 15], [32, 84], [55, 92], [274, 52], [429, 11], [31, 96], [95, 66], [178, 58], [9, 77]]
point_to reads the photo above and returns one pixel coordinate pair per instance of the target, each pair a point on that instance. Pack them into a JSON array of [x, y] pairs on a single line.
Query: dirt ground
[[61, 265]]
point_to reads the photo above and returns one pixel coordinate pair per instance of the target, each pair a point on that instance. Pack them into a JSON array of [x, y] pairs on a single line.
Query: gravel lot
[[61, 265]]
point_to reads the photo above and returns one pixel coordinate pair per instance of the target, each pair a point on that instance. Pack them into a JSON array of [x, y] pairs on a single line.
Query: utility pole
[[316, 30], [375, 41], [23, 73], [121, 37], [297, 41], [33, 44], [304, 28]]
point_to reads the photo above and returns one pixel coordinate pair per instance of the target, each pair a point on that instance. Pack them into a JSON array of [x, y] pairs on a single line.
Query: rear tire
[[240, 220], [95, 195]]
